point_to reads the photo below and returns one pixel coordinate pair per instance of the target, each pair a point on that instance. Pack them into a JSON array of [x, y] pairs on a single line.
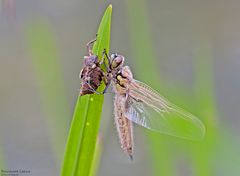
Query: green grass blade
[[97, 156], [80, 147]]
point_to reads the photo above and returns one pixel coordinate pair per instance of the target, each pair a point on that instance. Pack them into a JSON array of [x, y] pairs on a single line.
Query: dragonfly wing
[[150, 110]]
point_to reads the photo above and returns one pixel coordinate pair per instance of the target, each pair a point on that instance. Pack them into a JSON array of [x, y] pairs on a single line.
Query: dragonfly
[[91, 73], [138, 103]]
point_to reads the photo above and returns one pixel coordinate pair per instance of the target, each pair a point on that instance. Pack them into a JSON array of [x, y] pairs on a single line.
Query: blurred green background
[[187, 50]]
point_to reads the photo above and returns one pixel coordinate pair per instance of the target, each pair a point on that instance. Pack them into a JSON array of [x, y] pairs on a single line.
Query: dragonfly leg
[[107, 85], [103, 61], [88, 45], [105, 53]]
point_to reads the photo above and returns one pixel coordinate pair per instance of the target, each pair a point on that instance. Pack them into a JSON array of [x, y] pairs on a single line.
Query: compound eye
[[117, 61], [114, 55]]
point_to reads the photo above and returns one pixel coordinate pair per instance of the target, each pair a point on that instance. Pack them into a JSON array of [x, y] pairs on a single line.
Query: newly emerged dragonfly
[[91, 73], [136, 102]]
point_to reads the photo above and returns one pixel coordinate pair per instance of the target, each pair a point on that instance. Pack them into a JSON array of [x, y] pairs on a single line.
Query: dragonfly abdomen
[[123, 125]]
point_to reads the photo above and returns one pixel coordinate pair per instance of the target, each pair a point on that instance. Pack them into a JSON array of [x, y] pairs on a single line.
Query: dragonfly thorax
[[126, 73], [122, 80]]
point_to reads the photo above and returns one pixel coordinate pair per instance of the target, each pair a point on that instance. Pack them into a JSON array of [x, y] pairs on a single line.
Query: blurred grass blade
[[204, 152], [204, 86], [41, 44], [80, 147], [139, 32], [2, 157]]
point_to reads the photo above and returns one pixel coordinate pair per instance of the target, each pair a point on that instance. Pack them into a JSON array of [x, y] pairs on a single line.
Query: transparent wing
[[150, 110]]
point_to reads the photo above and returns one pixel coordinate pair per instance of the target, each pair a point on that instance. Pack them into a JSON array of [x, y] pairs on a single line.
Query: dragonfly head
[[90, 60], [117, 61]]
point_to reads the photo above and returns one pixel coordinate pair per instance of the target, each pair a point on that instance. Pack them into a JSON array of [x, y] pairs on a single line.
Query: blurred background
[[187, 50]]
